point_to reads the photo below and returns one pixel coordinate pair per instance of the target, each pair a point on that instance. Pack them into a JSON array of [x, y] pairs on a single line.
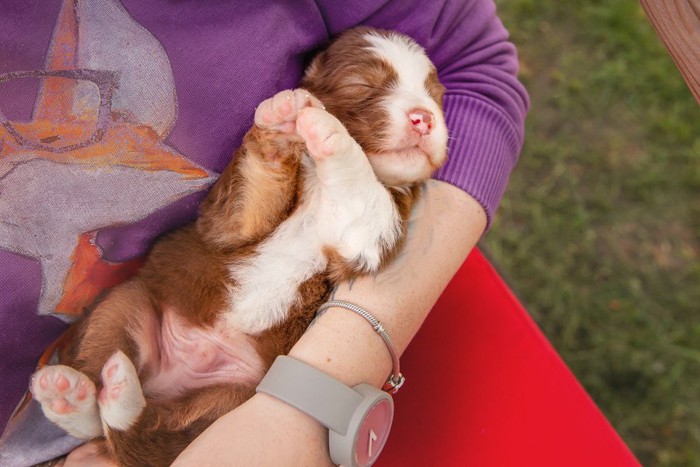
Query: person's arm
[[265, 431], [485, 104]]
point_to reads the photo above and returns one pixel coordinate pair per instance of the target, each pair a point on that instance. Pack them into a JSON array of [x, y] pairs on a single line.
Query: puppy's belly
[[180, 356]]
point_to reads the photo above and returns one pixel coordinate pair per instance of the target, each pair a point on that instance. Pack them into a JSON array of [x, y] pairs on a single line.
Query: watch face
[[373, 432]]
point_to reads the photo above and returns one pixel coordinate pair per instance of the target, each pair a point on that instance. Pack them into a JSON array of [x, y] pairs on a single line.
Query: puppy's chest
[[267, 284], [355, 217]]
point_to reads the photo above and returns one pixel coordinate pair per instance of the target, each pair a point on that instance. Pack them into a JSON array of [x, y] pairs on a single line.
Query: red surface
[[485, 388]]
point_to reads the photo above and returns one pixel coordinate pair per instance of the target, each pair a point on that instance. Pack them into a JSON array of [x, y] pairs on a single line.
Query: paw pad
[[62, 390], [121, 399], [280, 112]]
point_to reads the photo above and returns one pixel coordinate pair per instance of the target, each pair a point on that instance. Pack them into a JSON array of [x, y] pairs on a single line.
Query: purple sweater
[[96, 161]]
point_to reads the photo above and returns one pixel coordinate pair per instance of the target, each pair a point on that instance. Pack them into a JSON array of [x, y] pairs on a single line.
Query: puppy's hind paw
[[67, 398], [121, 399]]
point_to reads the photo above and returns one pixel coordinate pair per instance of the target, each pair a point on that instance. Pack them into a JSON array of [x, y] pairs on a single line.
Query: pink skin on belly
[[181, 356]]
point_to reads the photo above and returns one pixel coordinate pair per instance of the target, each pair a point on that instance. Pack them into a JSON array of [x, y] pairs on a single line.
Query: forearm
[[445, 226]]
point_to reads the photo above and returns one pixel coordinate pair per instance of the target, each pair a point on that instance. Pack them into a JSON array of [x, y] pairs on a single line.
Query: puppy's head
[[384, 89]]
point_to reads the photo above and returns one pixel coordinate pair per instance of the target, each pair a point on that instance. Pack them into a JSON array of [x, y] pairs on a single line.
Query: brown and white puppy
[[314, 196]]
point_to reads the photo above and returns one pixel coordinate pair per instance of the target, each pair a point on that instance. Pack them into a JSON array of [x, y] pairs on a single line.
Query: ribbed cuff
[[484, 146]]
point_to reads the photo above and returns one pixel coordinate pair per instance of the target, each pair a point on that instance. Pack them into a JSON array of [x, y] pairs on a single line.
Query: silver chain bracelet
[[396, 379]]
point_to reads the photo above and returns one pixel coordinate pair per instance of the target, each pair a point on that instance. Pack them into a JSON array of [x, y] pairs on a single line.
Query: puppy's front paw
[[121, 399], [279, 113], [67, 398], [323, 133]]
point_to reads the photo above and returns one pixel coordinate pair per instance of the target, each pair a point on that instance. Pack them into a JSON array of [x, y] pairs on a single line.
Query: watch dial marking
[[372, 439]]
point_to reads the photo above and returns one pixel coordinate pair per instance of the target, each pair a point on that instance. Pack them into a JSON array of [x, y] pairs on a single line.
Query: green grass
[[599, 232]]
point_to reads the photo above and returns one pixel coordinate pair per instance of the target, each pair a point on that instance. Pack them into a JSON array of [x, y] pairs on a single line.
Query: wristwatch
[[358, 418]]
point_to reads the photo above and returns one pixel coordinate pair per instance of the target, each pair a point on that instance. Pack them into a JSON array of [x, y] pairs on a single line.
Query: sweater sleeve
[[485, 104]]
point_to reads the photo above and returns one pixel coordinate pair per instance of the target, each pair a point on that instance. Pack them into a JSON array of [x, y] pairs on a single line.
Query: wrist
[[345, 346], [395, 379], [358, 419], [286, 415]]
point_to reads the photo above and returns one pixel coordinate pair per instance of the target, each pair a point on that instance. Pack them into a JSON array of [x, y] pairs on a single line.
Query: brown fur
[[254, 194], [340, 92], [187, 271]]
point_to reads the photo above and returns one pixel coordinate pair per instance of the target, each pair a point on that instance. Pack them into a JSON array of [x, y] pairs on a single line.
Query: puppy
[[315, 195]]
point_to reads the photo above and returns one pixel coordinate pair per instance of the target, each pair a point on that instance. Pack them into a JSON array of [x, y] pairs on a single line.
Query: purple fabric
[[190, 75]]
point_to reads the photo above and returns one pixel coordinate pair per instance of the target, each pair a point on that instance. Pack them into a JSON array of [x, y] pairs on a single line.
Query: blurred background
[[599, 232]]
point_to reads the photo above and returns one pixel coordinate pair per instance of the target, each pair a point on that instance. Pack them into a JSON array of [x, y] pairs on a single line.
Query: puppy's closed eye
[[385, 90]]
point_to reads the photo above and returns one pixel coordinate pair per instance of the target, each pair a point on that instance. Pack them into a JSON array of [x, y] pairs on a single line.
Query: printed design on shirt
[[93, 152]]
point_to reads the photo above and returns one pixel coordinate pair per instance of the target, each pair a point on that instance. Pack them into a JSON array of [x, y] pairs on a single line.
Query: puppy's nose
[[421, 121]]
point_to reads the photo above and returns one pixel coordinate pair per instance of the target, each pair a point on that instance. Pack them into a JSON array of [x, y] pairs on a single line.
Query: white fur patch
[[267, 283], [357, 215], [412, 67], [406, 57], [343, 207]]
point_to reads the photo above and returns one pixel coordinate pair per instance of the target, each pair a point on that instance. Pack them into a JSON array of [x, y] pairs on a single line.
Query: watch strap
[[312, 391]]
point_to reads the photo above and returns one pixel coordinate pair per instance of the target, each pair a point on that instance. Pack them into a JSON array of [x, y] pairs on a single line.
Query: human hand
[[87, 455]]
